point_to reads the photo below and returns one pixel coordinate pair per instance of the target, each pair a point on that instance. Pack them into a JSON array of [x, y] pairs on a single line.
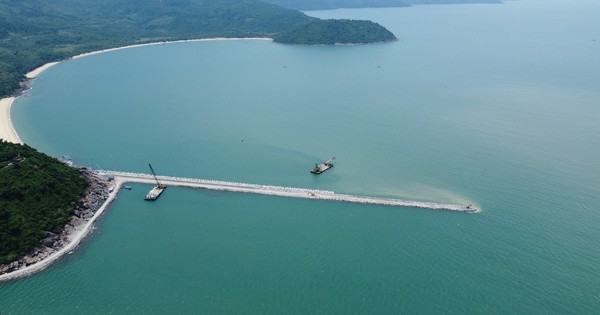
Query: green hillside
[[37, 194], [330, 32], [35, 32], [335, 4]]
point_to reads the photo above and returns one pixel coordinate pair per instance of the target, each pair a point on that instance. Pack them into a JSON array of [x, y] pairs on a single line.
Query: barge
[[155, 192], [320, 168]]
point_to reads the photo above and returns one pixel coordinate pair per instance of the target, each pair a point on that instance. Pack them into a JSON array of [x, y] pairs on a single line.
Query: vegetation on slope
[[330, 32], [35, 32], [37, 194], [335, 4]]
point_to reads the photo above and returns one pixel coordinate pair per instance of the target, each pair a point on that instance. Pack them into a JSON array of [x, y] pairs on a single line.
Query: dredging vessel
[[320, 168], [157, 190]]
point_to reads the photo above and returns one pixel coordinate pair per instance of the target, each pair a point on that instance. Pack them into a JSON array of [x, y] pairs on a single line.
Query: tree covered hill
[[331, 32], [35, 32], [37, 194], [335, 4], [36, 191]]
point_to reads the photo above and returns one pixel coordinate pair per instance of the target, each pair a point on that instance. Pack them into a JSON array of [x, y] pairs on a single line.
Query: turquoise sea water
[[496, 105]]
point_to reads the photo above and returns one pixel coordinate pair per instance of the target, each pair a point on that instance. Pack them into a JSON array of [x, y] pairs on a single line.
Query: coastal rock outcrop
[[83, 211]]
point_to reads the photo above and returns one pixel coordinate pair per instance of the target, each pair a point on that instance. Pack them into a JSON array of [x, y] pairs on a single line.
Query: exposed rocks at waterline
[[83, 211]]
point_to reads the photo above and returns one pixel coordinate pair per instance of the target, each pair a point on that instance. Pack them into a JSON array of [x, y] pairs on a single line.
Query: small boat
[[470, 208], [127, 187], [320, 168]]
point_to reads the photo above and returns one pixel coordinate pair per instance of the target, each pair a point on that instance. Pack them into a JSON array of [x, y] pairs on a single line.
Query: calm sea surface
[[495, 105]]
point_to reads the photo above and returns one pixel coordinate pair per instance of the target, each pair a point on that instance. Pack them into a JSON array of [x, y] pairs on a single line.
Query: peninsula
[[47, 207], [336, 32], [38, 32], [91, 195], [336, 4], [42, 203]]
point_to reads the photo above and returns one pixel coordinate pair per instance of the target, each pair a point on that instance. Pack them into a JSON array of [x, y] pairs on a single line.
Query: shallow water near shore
[[495, 105]]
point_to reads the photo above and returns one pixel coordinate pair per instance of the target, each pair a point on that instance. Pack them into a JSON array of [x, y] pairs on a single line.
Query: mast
[[158, 184]]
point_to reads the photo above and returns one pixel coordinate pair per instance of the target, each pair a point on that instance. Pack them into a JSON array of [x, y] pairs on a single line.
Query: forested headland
[[38, 195], [35, 32], [332, 32], [336, 4]]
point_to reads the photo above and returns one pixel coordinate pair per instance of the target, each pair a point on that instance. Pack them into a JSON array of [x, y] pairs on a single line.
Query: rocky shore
[[95, 196]]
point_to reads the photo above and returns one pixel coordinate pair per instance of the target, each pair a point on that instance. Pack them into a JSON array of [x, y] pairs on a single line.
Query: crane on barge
[[320, 168], [158, 189]]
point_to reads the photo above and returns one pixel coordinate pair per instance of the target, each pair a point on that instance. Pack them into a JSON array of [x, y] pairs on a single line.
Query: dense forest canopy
[[37, 194], [335, 4], [35, 32], [331, 32]]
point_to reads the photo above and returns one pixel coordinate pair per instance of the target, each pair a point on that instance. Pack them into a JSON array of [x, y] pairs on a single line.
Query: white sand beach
[[36, 72], [166, 42], [7, 131]]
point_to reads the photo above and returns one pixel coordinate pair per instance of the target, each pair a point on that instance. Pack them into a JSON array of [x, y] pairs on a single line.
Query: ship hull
[[155, 193], [321, 169]]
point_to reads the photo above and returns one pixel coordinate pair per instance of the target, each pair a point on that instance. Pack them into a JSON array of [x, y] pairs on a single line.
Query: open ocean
[[494, 105]]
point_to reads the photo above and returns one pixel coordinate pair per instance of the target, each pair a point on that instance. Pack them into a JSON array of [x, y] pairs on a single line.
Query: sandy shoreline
[[7, 130], [8, 133], [36, 72], [164, 42]]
